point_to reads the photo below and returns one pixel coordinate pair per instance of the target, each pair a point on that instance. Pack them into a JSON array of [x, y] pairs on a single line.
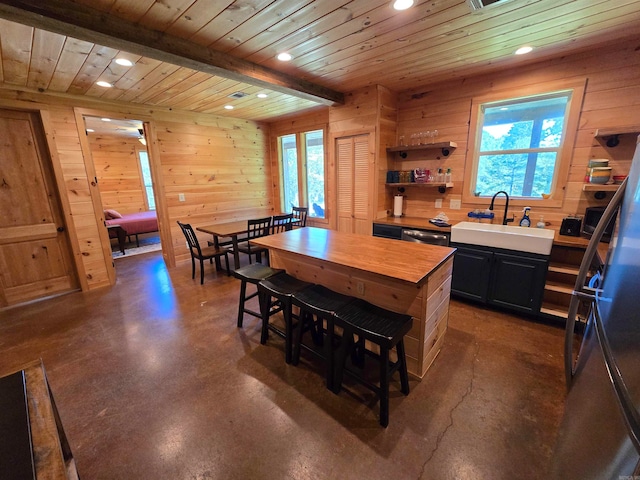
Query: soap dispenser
[[525, 221]]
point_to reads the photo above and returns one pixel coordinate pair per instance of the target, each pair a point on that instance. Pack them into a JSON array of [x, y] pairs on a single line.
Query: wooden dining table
[[232, 230], [229, 229], [404, 277]]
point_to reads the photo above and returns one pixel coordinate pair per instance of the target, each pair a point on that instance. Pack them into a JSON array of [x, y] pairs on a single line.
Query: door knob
[[60, 229]]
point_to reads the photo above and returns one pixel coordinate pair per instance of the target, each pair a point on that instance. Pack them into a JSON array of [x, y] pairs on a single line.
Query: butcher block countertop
[[408, 262]]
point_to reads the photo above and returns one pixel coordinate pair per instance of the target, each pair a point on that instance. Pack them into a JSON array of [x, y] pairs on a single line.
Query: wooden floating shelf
[[594, 187], [445, 147], [564, 269], [557, 287], [418, 184], [555, 311], [609, 137], [606, 132], [409, 148], [442, 187]]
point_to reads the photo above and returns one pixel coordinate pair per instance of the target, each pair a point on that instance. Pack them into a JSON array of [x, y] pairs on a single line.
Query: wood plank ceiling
[[337, 46]]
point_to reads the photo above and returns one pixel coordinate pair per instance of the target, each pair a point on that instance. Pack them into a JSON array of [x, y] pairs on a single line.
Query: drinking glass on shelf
[[434, 135], [401, 141], [415, 140]]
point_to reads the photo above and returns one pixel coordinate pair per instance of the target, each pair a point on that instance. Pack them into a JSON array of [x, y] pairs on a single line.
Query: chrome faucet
[[505, 220]]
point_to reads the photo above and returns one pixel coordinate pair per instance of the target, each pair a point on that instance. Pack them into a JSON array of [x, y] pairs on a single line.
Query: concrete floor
[[154, 381]]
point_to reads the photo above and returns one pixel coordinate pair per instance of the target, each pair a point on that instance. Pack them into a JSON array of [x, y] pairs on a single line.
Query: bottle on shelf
[[525, 221], [447, 176]]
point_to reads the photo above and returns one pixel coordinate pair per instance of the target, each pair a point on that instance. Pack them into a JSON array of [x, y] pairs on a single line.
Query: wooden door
[[35, 253], [355, 173]]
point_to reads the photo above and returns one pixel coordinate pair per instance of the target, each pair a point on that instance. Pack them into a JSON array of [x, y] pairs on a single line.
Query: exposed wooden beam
[[84, 23]]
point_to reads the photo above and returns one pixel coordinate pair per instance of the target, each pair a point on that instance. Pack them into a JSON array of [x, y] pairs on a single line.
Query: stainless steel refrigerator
[[599, 436]]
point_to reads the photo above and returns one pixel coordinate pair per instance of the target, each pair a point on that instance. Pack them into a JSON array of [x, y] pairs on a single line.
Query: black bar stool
[[322, 303], [282, 287], [383, 328], [253, 274]]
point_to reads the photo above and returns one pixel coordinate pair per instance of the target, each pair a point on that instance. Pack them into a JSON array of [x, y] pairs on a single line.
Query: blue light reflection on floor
[[160, 289]]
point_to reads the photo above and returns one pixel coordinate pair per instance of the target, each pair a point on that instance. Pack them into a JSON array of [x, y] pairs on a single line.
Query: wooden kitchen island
[[405, 277]]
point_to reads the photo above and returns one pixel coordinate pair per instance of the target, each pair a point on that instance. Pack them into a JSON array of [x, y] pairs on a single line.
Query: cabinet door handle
[[60, 229]]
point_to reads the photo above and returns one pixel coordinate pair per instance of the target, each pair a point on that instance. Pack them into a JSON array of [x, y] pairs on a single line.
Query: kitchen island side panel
[[425, 339]]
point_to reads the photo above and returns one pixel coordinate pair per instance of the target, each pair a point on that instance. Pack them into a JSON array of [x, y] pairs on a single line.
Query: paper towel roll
[[397, 205]]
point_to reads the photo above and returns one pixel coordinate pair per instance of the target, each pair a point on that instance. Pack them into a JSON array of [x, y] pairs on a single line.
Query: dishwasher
[[425, 236]]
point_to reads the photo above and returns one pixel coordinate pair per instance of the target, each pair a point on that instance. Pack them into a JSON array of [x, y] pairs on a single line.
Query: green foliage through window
[[520, 143], [302, 160], [289, 160], [146, 178]]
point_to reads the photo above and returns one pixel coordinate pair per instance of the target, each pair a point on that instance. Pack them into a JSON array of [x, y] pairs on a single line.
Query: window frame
[[565, 153], [301, 152], [144, 186]]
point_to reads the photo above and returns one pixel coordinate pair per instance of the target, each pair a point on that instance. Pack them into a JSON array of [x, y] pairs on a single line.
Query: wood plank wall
[[387, 135], [118, 171], [611, 100], [89, 256], [221, 165]]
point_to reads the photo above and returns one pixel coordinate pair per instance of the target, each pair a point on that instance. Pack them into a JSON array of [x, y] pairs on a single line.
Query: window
[[523, 145], [289, 162], [146, 178], [302, 169]]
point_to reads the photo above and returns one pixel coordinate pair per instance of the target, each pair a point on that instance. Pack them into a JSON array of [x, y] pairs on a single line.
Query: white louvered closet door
[[354, 161]]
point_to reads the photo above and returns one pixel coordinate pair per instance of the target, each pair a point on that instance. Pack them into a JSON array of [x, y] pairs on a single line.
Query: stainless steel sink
[[523, 239]]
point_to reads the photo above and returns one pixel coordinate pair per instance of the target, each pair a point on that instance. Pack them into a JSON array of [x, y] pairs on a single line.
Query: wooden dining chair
[[202, 254], [282, 223], [256, 228], [300, 215]]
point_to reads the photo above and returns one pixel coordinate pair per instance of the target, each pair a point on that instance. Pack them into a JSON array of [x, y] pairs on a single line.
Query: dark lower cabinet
[[503, 278], [517, 283], [387, 231], [471, 273]]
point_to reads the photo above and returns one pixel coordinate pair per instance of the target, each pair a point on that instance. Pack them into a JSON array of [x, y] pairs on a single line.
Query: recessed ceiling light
[[104, 84], [90, 130], [124, 62], [402, 4], [262, 95], [284, 57], [523, 50], [105, 119], [228, 107]]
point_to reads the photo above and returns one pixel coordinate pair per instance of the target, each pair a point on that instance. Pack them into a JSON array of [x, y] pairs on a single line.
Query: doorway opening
[[121, 160]]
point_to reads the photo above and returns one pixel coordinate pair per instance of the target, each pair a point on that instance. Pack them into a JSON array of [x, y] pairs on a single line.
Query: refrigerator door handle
[[580, 292]]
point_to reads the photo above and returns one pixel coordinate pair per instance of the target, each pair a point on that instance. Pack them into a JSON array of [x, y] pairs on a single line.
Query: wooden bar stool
[[383, 328], [322, 303], [253, 274], [282, 287]]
